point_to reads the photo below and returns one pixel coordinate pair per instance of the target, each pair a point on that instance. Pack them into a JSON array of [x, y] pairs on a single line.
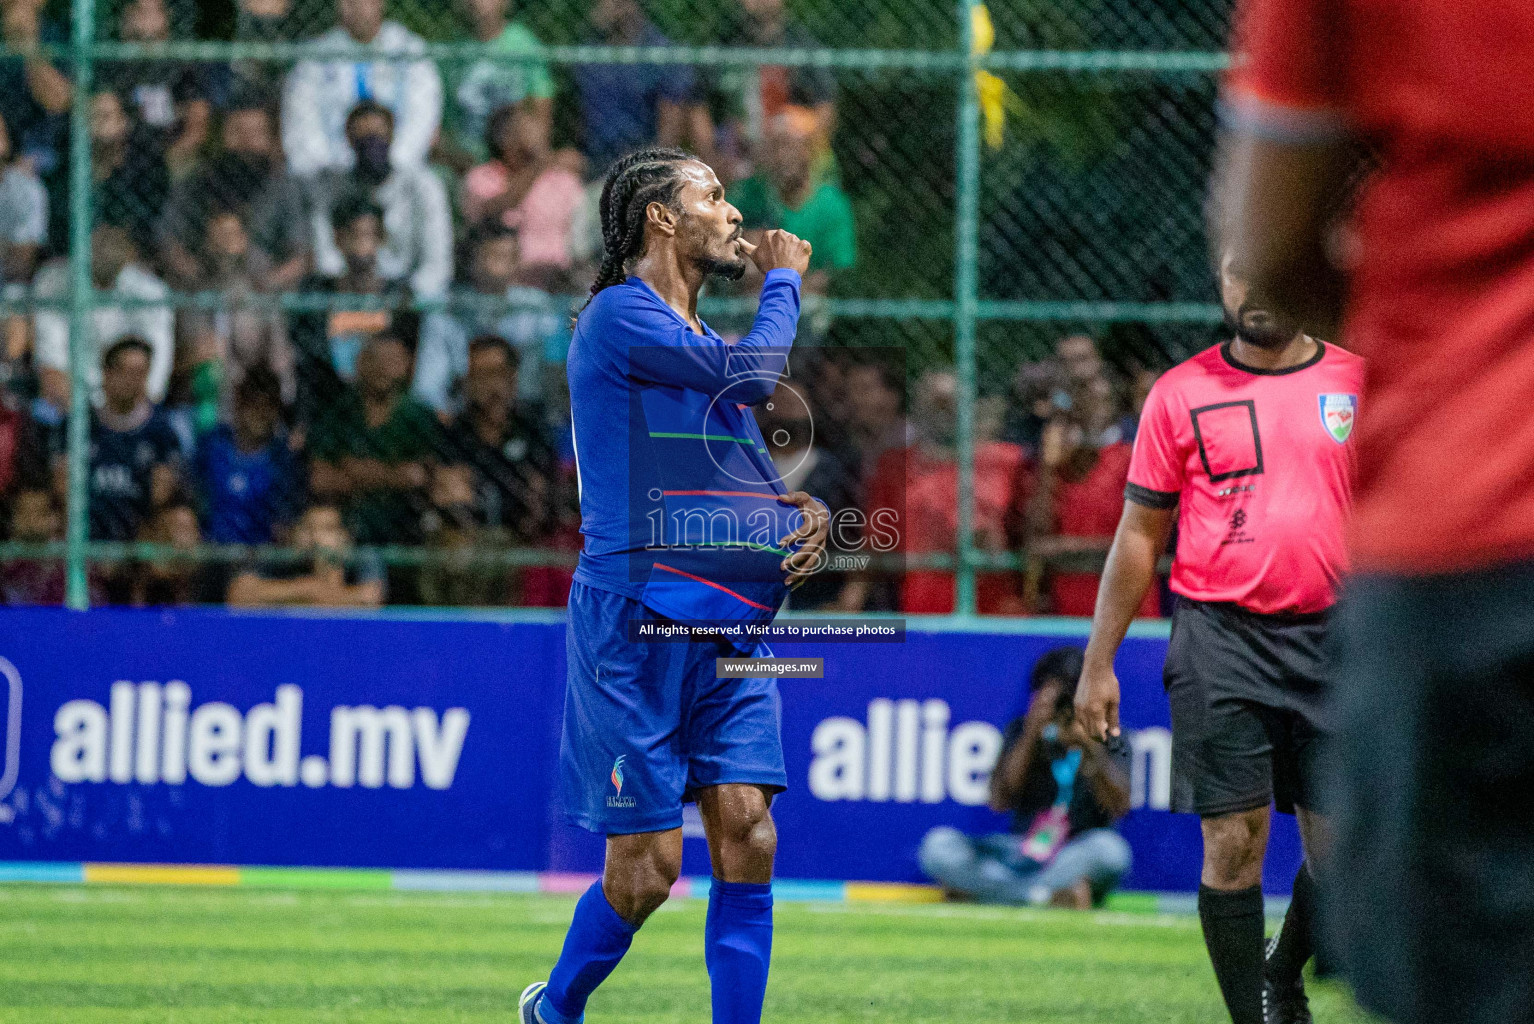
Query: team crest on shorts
[[618, 799], [1338, 414]]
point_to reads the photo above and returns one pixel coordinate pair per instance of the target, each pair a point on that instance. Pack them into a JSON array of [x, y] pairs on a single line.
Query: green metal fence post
[[81, 349], [965, 288]]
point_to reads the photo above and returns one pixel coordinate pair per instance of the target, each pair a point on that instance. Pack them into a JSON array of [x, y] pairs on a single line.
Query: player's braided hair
[[634, 182]]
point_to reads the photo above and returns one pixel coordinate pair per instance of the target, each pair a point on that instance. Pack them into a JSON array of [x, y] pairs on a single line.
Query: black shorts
[[1430, 901], [1248, 695]]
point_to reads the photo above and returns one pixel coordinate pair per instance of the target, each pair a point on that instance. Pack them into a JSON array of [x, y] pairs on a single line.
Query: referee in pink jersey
[[1248, 446]]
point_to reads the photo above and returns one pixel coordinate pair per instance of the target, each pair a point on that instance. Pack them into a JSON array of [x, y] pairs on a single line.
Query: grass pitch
[[146, 955]]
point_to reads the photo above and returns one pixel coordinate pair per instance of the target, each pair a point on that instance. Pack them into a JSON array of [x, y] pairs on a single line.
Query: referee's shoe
[[1285, 1004]]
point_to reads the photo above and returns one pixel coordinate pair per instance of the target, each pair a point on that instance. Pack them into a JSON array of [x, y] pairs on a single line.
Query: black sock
[[1292, 946], [1232, 923]]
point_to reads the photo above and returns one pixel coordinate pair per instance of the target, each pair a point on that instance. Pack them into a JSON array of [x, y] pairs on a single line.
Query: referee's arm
[[1131, 569]]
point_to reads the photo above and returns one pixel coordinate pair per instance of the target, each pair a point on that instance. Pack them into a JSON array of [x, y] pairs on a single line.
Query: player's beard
[[730, 270], [1272, 335]]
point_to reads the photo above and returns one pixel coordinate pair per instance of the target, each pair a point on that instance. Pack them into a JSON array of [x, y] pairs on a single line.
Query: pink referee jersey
[[1262, 464]]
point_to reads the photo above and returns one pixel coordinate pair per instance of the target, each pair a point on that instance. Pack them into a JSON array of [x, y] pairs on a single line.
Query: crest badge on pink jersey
[[1338, 414]]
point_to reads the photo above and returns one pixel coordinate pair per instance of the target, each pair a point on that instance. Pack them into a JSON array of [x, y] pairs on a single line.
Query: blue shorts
[[647, 724]]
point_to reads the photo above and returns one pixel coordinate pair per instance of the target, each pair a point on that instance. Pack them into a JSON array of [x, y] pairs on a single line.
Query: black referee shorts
[[1430, 900], [1248, 695]]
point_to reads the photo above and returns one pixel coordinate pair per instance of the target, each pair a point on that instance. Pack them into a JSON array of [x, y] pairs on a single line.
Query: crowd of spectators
[[233, 420], [1051, 461]]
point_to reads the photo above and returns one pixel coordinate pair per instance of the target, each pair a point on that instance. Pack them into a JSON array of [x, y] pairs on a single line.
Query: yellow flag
[[992, 91]]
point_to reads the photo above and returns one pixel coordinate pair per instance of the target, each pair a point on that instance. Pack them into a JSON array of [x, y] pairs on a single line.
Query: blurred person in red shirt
[[921, 482], [871, 402], [1431, 876], [35, 519], [23, 459], [1078, 494]]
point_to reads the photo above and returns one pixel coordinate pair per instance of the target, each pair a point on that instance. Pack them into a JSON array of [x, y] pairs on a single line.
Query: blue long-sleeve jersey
[[678, 492]]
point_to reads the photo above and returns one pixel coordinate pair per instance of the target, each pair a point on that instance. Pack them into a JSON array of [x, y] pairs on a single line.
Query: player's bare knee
[[635, 895], [637, 884], [749, 842], [1234, 845], [758, 840]]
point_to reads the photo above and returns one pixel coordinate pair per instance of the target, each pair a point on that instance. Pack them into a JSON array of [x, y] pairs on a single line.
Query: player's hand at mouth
[[811, 535], [779, 250]]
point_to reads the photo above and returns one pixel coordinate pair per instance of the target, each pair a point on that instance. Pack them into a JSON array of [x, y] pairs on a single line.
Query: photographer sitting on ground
[[1064, 792]]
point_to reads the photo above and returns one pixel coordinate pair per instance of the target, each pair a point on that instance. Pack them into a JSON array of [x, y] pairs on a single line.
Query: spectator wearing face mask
[[247, 175], [418, 228], [320, 94]]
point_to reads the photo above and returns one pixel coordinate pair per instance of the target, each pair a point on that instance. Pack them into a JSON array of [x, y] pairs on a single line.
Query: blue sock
[[737, 946], [596, 941]]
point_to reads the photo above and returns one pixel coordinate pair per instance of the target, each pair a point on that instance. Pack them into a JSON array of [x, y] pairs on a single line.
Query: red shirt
[[1261, 464], [1442, 303], [1090, 507], [925, 494]]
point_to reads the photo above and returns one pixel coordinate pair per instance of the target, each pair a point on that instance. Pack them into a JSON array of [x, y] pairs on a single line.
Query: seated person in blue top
[[1064, 792], [250, 480]]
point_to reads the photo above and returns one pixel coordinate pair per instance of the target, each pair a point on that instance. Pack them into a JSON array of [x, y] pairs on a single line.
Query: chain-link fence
[[287, 283]]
